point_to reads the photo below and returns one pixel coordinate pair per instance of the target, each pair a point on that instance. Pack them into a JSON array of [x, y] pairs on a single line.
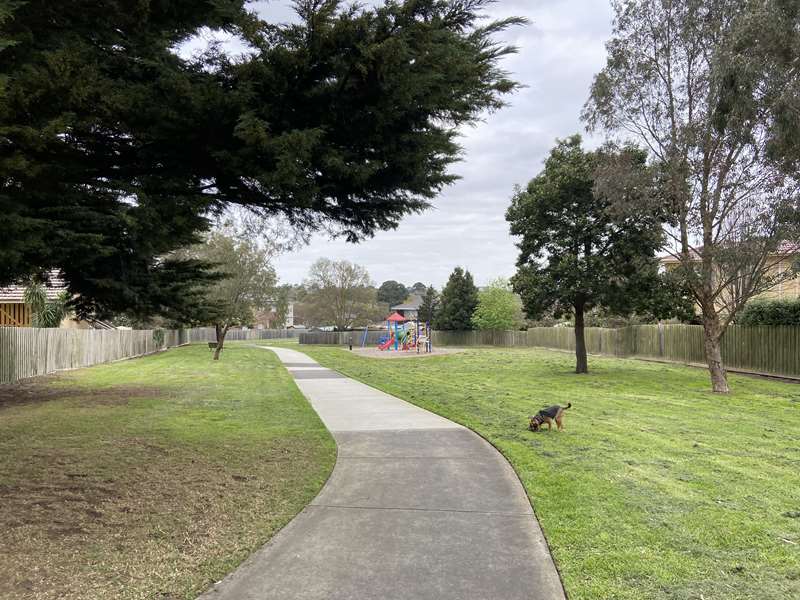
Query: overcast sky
[[560, 51]]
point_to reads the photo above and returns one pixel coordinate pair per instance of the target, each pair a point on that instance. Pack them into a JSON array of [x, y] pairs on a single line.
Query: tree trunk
[[712, 335], [221, 333], [581, 362]]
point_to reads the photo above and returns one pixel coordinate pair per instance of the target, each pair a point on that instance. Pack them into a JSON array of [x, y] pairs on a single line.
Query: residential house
[[409, 308], [15, 313], [267, 319], [782, 262]]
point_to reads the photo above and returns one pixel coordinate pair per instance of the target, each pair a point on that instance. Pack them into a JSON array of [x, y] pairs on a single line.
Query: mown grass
[[154, 477], [657, 489]]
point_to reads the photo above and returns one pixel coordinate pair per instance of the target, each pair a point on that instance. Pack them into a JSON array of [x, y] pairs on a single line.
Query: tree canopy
[[457, 302], [392, 292], [340, 293], [115, 150], [712, 89], [245, 281], [576, 252], [499, 308], [430, 305]]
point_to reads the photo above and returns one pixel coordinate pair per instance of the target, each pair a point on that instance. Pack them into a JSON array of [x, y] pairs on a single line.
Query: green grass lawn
[[657, 489], [151, 478]]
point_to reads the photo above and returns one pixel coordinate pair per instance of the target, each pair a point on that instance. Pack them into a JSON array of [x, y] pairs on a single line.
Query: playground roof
[[396, 318]]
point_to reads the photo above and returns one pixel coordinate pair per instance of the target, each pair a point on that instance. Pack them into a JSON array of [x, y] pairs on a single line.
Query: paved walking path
[[417, 508]]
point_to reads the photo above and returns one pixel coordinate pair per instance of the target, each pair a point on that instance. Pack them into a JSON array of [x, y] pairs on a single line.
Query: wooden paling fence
[[28, 352], [767, 350]]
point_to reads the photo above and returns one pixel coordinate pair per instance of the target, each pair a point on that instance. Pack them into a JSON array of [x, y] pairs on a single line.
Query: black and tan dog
[[548, 415]]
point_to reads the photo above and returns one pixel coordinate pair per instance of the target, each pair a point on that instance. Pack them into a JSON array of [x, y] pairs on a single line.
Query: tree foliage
[[430, 305], [245, 281], [280, 304], [340, 293], [576, 253], [712, 88], [499, 308], [392, 292], [115, 150], [44, 312], [457, 303], [776, 313]]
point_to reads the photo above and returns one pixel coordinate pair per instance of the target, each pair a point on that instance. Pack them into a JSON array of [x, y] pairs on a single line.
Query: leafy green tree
[[281, 304], [457, 303], [499, 308], [430, 305], [245, 282], [44, 312], [392, 292], [712, 89], [576, 253], [116, 150]]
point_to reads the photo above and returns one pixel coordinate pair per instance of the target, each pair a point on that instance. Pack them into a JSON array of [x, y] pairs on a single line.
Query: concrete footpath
[[417, 507]]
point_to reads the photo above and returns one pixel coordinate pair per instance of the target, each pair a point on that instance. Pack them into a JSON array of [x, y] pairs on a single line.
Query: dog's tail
[[569, 405]]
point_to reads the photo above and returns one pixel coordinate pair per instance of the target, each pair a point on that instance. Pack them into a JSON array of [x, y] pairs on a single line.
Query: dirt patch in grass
[[104, 498], [47, 389]]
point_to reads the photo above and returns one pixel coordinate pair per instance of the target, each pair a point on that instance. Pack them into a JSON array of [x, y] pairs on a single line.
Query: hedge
[[771, 312]]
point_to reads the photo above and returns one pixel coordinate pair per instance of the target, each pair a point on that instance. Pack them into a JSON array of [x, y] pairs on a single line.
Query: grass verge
[[658, 488], [154, 477]]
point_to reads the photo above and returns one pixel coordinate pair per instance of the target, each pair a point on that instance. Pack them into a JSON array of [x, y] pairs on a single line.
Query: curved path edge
[[417, 507]]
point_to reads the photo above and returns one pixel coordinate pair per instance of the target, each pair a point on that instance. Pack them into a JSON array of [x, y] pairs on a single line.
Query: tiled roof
[[15, 293]]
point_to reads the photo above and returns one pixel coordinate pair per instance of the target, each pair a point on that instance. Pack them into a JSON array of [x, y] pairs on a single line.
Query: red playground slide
[[385, 345]]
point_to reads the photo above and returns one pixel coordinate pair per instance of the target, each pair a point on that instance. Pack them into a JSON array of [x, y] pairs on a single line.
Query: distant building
[[409, 308], [268, 319], [781, 261], [15, 313]]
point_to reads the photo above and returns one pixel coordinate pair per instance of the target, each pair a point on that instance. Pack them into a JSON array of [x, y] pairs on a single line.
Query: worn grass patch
[[151, 478], [658, 488]]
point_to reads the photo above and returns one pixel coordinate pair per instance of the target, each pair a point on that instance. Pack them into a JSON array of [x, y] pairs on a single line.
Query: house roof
[[15, 294], [413, 302]]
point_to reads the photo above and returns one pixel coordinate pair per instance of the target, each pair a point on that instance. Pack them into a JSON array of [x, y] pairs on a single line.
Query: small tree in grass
[[246, 281], [499, 308], [458, 301], [576, 253]]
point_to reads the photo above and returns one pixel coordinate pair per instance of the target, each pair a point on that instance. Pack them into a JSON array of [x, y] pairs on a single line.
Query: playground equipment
[[406, 334]]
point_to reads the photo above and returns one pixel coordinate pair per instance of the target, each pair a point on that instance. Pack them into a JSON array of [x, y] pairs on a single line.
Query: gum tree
[[711, 89]]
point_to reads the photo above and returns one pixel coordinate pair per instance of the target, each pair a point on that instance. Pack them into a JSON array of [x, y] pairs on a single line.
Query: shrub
[[771, 312]]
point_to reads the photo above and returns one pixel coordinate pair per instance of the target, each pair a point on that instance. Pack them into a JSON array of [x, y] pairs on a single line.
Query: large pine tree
[[458, 302], [115, 150]]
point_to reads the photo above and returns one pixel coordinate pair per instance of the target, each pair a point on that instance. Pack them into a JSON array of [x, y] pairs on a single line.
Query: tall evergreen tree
[[430, 305], [576, 253], [458, 302], [114, 150]]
